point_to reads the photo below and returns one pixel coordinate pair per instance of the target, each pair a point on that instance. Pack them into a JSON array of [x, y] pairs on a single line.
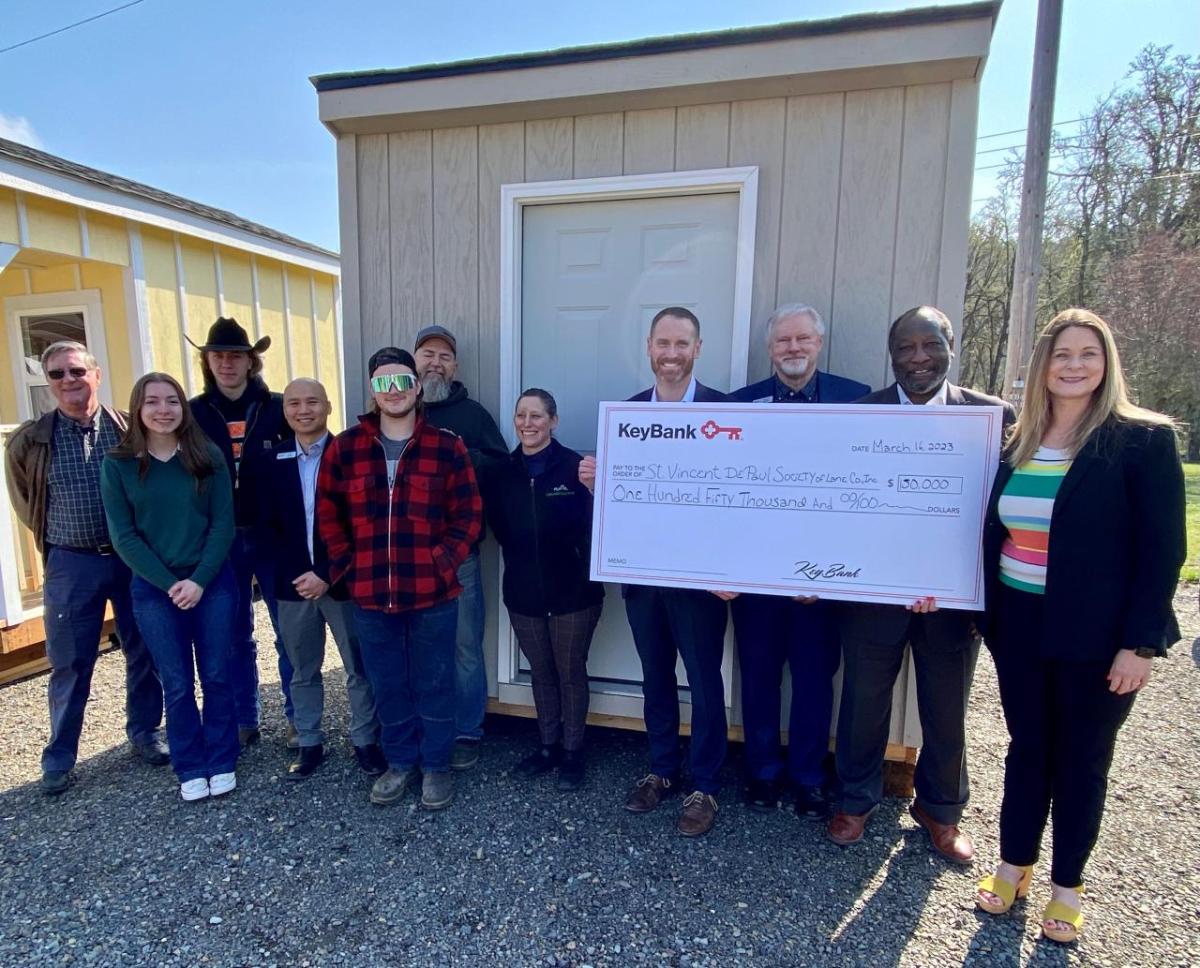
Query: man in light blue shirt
[[287, 501]]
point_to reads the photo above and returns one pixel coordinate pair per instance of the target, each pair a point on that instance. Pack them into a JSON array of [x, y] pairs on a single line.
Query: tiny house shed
[[128, 270], [544, 206]]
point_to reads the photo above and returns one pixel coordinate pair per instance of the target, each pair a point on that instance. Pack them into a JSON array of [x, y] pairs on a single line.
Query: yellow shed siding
[[239, 289], [108, 239], [331, 374], [53, 279], [200, 296], [110, 280], [271, 322], [53, 226], [300, 313], [12, 283], [9, 230], [162, 300]]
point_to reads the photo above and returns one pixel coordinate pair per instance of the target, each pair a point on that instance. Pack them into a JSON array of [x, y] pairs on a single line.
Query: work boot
[[437, 791], [390, 787], [465, 755]]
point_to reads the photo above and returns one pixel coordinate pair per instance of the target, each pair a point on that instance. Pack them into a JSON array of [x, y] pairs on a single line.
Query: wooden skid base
[[23, 648]]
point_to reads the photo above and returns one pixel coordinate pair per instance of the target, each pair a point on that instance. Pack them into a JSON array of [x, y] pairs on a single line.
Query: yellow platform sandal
[[1065, 914], [1007, 892]]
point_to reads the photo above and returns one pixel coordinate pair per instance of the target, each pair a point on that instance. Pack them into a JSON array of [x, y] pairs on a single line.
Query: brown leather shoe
[[947, 839], [650, 791], [698, 815], [846, 829]]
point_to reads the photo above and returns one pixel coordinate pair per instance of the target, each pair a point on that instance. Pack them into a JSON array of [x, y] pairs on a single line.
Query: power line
[[78, 23], [1057, 124]]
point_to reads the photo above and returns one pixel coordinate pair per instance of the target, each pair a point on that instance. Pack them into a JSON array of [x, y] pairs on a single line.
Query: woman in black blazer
[[542, 516], [1083, 545]]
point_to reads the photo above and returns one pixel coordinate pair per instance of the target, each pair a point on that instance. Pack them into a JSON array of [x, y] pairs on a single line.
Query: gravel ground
[[119, 871]]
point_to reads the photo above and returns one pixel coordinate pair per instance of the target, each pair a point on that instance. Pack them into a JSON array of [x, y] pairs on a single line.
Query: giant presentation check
[[855, 502]]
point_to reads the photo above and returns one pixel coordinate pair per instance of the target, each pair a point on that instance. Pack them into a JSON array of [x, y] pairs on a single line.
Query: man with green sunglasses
[[398, 510]]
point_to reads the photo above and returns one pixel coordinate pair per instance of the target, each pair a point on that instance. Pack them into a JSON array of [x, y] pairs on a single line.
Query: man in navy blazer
[[802, 632], [683, 622], [286, 521], [945, 643]]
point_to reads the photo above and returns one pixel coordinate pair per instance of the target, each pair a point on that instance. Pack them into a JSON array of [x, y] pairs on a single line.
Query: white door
[[593, 276]]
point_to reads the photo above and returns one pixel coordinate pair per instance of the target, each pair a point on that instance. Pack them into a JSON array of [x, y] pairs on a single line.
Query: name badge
[[286, 455]]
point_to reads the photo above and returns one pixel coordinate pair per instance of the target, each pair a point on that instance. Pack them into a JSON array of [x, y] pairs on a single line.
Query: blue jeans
[[667, 622], [409, 660], [78, 585], [248, 562], [772, 630], [201, 746], [470, 670]]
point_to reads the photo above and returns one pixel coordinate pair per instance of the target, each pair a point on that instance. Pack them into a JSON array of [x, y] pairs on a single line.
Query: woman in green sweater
[[169, 505]]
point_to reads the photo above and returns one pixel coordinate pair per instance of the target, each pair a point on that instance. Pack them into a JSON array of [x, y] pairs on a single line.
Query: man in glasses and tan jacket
[[53, 465]]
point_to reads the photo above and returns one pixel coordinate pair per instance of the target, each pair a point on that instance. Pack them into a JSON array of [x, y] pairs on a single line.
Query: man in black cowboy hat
[[245, 420]]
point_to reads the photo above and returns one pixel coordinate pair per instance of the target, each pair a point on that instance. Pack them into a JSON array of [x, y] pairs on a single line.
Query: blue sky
[[212, 100]]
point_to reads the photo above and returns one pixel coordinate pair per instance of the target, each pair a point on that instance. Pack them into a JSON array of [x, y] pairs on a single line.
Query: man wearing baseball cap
[[245, 420], [448, 405], [398, 509]]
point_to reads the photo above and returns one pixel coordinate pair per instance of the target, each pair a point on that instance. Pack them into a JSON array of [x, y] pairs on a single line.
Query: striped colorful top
[[1025, 507]]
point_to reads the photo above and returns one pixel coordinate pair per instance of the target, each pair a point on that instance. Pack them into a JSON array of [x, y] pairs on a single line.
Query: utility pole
[[1028, 264]]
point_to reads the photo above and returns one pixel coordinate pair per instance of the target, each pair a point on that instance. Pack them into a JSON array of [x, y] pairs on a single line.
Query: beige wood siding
[[863, 206]]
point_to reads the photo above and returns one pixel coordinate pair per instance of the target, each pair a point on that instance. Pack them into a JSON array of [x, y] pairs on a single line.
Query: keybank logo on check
[[655, 431], [709, 430]]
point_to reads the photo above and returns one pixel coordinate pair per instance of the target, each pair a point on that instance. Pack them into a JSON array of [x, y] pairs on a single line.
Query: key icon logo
[[710, 429]]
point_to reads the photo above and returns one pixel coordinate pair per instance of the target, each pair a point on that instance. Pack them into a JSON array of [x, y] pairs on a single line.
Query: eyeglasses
[[401, 381], [79, 372]]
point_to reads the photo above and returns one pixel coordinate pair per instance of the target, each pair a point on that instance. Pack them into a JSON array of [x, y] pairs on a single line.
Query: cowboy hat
[[227, 334]]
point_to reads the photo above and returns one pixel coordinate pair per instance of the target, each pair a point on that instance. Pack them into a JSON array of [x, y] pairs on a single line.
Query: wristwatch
[[1145, 652]]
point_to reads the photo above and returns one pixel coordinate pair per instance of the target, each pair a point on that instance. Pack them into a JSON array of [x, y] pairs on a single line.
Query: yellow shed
[[129, 270]]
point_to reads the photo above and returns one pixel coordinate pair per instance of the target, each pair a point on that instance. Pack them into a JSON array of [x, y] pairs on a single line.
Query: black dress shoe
[[371, 759], [248, 736], [543, 761], [309, 759], [762, 796], [812, 802], [55, 782], [153, 753], [570, 770]]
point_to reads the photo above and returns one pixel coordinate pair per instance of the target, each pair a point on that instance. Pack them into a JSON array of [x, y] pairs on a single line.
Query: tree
[[1124, 191], [1149, 296]]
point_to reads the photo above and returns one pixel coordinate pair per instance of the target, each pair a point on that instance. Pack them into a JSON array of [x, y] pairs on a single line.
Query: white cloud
[[19, 129]]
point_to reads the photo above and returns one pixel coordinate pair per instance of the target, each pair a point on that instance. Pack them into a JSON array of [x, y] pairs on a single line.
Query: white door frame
[[88, 302], [512, 686]]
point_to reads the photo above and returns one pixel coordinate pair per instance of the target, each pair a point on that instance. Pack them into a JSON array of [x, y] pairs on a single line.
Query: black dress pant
[[1063, 724], [671, 623], [871, 662]]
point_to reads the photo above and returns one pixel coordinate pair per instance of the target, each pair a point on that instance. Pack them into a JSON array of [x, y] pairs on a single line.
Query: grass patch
[[1191, 480]]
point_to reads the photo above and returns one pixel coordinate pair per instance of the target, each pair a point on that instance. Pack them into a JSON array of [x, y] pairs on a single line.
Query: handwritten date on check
[[880, 504]]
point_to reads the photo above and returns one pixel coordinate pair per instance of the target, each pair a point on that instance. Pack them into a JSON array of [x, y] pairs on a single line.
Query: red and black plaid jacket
[[399, 550]]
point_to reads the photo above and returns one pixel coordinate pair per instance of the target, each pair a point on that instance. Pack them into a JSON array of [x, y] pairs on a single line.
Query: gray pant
[[302, 627]]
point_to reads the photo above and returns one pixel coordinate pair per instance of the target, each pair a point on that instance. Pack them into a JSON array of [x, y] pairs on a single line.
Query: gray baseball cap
[[435, 332]]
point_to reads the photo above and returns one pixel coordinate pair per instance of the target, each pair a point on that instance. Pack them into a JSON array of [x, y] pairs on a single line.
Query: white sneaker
[[222, 783], [196, 789]]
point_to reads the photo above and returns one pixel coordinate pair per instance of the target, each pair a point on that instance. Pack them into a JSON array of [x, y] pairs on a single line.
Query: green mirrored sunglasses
[[401, 381]]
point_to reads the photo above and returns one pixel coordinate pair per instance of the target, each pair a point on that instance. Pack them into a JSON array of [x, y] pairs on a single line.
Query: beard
[[794, 368], [436, 387]]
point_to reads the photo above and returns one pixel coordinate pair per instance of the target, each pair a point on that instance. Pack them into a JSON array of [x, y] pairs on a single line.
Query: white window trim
[[87, 302], [511, 682]]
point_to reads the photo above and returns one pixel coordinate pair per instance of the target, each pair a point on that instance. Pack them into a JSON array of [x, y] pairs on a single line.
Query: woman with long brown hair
[[1083, 545], [169, 506]]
